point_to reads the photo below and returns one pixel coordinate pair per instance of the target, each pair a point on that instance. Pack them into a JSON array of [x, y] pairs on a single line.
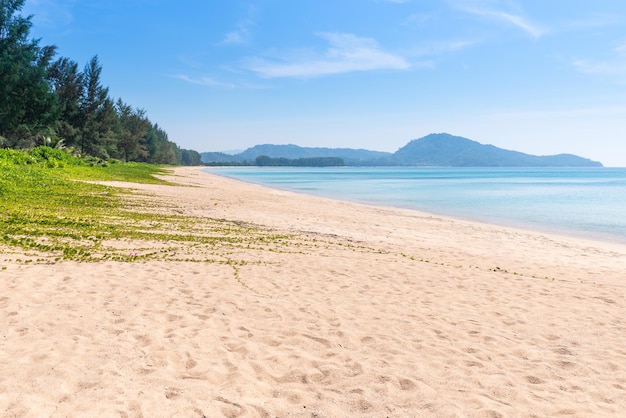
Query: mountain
[[455, 151], [348, 155], [219, 157], [441, 149]]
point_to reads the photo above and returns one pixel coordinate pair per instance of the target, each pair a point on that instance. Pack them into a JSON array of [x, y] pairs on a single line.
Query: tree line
[[265, 161], [48, 101]]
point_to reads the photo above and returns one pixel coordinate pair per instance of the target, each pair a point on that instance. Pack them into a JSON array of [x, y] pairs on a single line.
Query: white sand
[[366, 312]]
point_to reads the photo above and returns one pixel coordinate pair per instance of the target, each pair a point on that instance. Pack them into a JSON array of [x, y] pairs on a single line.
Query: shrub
[[9, 156], [54, 157]]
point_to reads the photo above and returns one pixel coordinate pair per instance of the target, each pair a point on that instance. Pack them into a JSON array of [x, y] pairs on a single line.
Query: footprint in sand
[[172, 393], [407, 384], [533, 380]]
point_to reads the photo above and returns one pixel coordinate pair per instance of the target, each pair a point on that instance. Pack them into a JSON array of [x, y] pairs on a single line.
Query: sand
[[365, 311]]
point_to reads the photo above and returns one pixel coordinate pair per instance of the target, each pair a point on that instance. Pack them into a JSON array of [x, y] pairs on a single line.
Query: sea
[[582, 202]]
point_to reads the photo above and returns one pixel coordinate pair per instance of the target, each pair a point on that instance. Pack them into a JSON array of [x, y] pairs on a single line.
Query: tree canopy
[[264, 161], [48, 101]]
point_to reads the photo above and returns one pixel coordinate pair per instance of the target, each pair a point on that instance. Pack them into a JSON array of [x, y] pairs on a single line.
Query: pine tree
[[27, 106], [68, 85], [96, 112]]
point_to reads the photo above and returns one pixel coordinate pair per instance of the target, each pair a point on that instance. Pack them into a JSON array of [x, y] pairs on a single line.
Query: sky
[[538, 76]]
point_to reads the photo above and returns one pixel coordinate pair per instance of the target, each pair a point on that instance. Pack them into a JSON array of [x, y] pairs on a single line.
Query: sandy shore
[[362, 311]]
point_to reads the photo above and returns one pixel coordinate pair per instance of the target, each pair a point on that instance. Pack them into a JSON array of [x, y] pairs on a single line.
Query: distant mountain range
[[443, 150], [348, 155]]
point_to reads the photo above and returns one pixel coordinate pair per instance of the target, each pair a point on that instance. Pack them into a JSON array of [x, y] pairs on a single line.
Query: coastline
[[363, 310], [489, 212]]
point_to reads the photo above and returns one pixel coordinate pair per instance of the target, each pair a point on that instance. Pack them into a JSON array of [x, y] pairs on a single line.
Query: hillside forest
[[48, 100]]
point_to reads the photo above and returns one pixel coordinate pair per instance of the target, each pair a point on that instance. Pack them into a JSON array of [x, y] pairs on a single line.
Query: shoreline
[[338, 309], [555, 234], [538, 228]]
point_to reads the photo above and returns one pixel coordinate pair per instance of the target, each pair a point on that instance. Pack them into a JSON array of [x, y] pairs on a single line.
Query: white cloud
[[241, 34], [212, 82], [592, 22], [518, 21], [235, 37], [346, 53], [605, 68], [532, 29], [615, 67], [205, 81]]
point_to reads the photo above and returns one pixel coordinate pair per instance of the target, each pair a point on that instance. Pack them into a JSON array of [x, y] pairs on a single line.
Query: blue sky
[[537, 76]]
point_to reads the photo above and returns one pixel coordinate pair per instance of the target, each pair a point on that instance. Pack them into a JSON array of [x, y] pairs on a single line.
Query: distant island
[[434, 150]]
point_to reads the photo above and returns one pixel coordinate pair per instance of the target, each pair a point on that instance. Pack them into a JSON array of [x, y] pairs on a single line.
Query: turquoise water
[[588, 202]]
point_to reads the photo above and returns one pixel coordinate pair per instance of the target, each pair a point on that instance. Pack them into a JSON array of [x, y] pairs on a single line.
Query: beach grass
[[53, 208]]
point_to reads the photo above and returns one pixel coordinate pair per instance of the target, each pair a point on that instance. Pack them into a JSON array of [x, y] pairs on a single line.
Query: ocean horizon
[[582, 202]]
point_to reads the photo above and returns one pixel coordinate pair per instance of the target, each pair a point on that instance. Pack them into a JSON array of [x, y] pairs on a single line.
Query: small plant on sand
[[52, 209]]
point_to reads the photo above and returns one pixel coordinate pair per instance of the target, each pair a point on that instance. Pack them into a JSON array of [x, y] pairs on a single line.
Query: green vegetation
[[296, 156], [44, 101], [49, 212], [265, 161], [54, 207]]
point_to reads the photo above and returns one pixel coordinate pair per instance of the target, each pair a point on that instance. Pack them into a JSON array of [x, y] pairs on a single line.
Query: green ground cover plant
[[52, 209], [54, 206]]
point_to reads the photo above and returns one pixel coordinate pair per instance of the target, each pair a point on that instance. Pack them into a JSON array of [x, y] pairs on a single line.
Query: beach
[[346, 310]]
